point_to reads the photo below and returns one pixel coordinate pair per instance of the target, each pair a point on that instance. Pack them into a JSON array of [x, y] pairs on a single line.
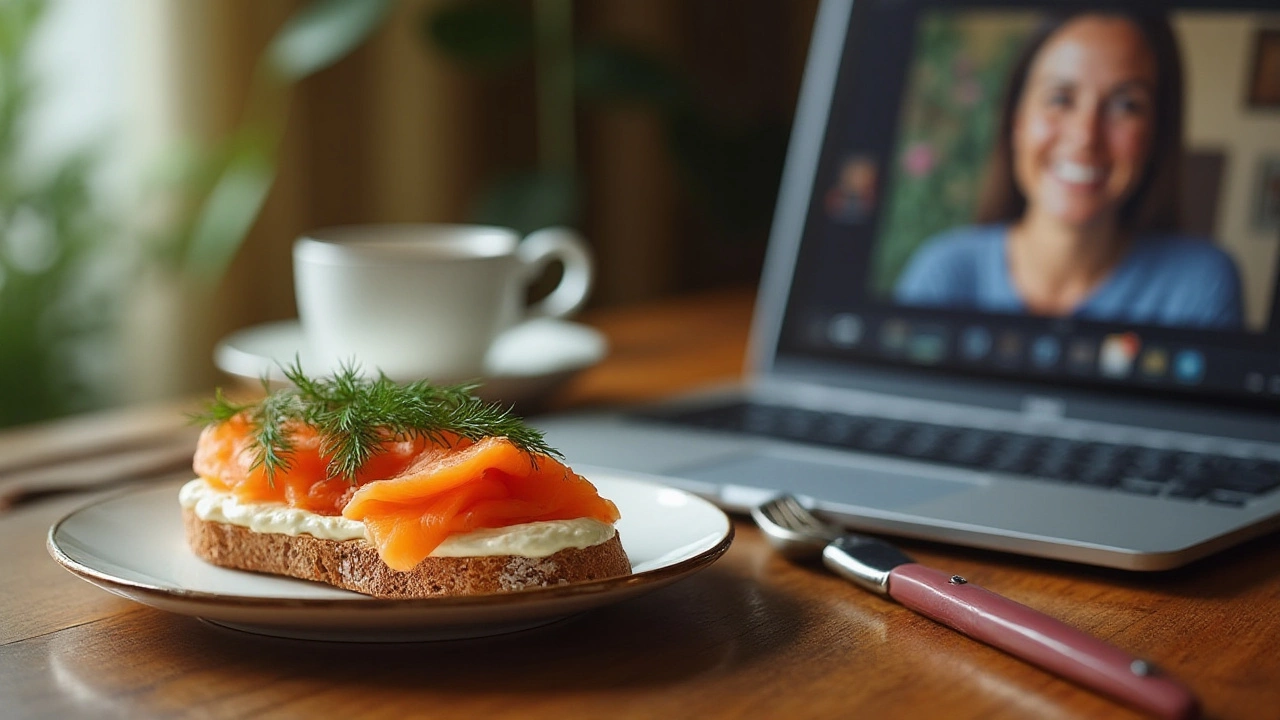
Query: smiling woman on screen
[[1079, 214]]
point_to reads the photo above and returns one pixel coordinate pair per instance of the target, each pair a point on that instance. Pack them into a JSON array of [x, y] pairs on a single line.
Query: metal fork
[[982, 615], [797, 533], [791, 529]]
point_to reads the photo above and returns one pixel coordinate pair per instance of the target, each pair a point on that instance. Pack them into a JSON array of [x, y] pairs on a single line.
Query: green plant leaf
[[529, 201], [323, 33], [230, 210], [619, 74], [17, 20], [484, 34]]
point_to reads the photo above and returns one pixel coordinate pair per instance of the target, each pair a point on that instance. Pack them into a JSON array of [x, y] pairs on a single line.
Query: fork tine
[[780, 511], [786, 507], [795, 509], [785, 526], [772, 511], [800, 513], [776, 513], [787, 511]]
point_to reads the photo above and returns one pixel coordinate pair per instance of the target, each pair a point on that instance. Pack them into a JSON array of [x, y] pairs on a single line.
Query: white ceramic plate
[[134, 545], [525, 363]]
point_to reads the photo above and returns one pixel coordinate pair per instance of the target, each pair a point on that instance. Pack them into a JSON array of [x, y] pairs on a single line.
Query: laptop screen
[[1083, 198]]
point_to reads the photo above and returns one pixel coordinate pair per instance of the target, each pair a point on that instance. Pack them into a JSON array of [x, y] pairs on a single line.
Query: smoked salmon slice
[[488, 484], [411, 495]]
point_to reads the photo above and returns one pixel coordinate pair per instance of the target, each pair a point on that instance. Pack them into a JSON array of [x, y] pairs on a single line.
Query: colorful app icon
[[1155, 362], [893, 336], [1254, 382], [1082, 354], [975, 343], [853, 197], [1188, 367], [1045, 352], [845, 330], [1119, 350], [1009, 348], [928, 345]]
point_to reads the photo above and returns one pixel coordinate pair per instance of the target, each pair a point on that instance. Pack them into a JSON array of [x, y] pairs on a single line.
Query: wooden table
[[752, 636]]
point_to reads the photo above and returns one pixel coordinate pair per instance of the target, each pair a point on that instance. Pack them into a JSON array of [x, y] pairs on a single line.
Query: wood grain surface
[[752, 636]]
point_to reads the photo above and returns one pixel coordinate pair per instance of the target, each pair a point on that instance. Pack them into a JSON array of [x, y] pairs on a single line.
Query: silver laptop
[[1004, 306]]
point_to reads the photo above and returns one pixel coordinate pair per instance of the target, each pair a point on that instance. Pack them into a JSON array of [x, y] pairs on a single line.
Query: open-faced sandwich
[[397, 491]]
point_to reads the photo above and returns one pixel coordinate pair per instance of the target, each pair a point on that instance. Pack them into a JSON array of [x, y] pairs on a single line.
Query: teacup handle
[[567, 246]]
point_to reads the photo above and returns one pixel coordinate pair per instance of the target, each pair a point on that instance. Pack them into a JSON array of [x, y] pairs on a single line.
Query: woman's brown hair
[[1153, 207]]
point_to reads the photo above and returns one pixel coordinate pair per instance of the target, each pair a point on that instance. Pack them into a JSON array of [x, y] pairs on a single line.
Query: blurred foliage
[[55, 310], [482, 34], [733, 173], [949, 119], [66, 269], [321, 34], [222, 187], [530, 200]]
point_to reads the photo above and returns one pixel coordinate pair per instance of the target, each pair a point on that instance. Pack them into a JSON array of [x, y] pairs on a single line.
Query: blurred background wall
[[668, 118], [1218, 54]]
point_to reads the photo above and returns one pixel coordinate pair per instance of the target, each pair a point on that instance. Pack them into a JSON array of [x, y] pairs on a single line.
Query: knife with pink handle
[[1012, 627], [982, 615]]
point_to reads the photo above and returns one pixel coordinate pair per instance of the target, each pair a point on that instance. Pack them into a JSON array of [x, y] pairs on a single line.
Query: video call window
[[1098, 167]]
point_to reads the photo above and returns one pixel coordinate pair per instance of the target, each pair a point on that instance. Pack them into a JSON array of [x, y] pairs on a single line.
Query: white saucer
[[525, 363], [133, 545]]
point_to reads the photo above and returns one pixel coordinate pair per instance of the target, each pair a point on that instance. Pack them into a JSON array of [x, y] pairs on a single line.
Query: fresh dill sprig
[[354, 415], [218, 410]]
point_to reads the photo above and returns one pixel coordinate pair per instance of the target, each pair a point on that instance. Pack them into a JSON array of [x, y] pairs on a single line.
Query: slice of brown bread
[[355, 565]]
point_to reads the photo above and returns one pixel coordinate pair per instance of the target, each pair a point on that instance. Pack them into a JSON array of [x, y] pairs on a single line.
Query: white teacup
[[427, 301]]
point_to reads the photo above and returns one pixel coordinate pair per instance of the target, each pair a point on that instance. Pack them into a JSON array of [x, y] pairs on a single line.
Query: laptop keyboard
[[1217, 479]]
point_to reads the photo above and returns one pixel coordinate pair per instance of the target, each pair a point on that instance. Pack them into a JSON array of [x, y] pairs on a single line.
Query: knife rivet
[[957, 580], [1142, 668]]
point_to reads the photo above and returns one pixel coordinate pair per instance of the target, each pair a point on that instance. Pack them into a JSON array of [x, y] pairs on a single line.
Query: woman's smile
[[1074, 173], [1083, 131]]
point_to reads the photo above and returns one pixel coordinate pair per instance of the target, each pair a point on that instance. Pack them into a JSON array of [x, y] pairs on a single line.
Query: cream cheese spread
[[535, 540]]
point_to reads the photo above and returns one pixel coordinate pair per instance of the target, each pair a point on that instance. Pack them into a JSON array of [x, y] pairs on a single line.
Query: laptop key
[[1250, 477], [1140, 486], [883, 436], [927, 442], [1056, 467], [970, 447], [727, 417], [1188, 464], [797, 424], [1151, 463], [1057, 458], [1100, 464], [840, 430], [1188, 490], [760, 419], [1016, 456], [1097, 477], [1228, 497]]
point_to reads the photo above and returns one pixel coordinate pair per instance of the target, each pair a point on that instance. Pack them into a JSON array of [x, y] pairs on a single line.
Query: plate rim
[[368, 603]]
